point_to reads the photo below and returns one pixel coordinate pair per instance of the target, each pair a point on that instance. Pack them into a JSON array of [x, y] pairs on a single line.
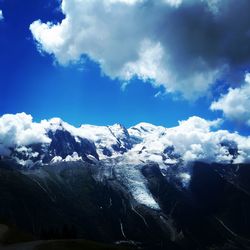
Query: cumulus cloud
[[194, 139], [235, 103], [197, 139], [1, 15], [19, 130], [182, 45]]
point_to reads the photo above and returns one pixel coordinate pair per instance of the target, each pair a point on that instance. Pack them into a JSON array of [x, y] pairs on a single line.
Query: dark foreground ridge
[[79, 200]]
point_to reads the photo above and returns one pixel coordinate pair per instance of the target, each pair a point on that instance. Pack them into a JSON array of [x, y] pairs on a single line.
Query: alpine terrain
[[145, 187]]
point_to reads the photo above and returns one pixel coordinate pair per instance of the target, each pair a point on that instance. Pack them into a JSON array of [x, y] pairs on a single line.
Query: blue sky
[[34, 82]]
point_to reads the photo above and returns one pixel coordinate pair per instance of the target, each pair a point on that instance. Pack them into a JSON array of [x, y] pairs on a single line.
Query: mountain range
[[146, 187]]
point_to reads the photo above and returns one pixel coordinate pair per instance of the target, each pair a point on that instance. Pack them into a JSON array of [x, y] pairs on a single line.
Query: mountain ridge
[[192, 140]]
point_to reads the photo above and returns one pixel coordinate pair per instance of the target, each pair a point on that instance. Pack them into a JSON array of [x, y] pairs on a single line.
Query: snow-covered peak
[[55, 124], [109, 140], [56, 121], [146, 132], [145, 126], [143, 129], [119, 131]]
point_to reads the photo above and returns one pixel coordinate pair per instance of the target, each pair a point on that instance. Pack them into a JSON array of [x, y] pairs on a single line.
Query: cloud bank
[[235, 104], [182, 45], [194, 139]]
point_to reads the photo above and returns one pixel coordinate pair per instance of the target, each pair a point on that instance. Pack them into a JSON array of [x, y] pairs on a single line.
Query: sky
[[126, 61]]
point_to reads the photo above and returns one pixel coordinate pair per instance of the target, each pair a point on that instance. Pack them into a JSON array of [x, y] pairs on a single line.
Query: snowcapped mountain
[[60, 145], [54, 140], [119, 149], [149, 184]]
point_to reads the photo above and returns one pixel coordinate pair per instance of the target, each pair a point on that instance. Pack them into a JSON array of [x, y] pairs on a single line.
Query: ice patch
[[142, 195], [185, 178], [57, 159], [73, 157]]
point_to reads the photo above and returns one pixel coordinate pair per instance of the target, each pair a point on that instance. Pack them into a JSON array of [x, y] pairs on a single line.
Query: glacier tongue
[[130, 177]]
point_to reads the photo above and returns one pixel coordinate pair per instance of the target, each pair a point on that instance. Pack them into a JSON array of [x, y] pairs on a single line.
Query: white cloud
[[149, 65], [1, 15], [130, 39], [19, 130], [174, 3], [193, 139], [235, 104], [196, 123]]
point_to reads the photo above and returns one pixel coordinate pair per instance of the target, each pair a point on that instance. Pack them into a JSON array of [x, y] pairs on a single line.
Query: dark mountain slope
[[69, 200]]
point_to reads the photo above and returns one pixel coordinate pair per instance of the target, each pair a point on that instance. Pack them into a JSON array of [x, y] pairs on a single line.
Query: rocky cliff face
[[133, 204]]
